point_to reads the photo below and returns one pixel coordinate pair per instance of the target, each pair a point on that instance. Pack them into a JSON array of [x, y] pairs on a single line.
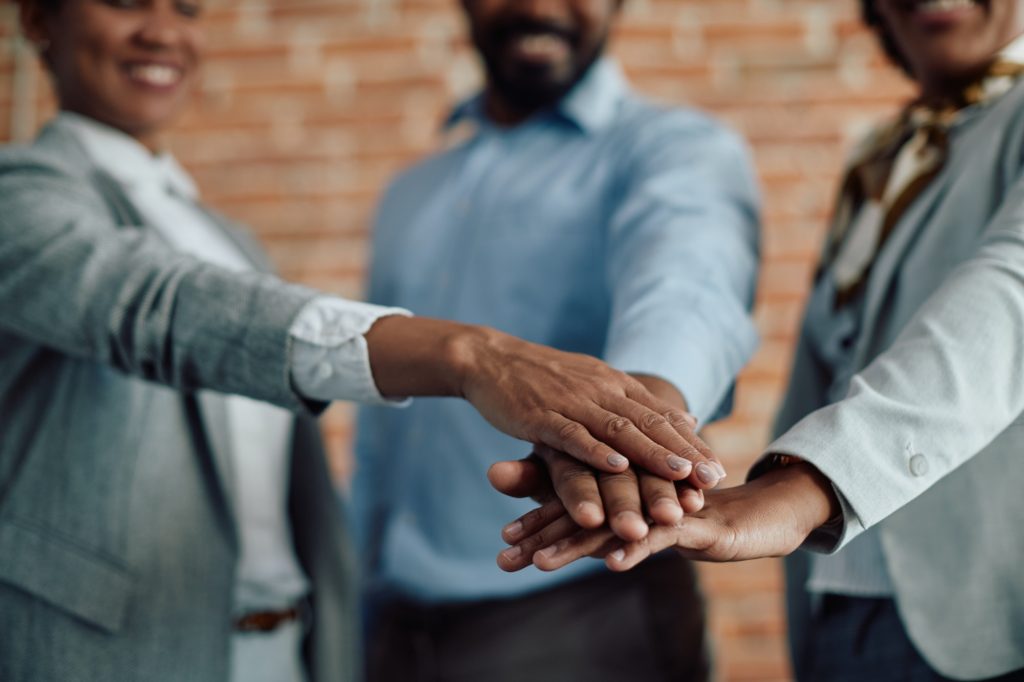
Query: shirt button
[[323, 370], [918, 465]]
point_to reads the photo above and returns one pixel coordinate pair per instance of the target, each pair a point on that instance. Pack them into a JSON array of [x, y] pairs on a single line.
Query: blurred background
[[309, 106]]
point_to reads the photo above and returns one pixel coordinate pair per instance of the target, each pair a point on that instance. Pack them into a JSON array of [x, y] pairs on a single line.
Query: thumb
[[520, 478]]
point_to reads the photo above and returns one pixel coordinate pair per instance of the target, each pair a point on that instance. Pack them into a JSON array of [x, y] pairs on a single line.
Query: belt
[[268, 621]]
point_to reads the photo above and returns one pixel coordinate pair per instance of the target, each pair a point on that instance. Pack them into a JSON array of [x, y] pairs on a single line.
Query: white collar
[[124, 158], [1014, 52]]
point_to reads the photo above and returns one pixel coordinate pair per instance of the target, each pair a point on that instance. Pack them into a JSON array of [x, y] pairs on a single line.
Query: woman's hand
[[770, 516]]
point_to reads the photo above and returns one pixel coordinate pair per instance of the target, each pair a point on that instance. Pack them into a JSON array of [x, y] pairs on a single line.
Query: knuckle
[[652, 421], [570, 430], [537, 541], [575, 476], [620, 479], [532, 518], [676, 418], [656, 453], [618, 425]]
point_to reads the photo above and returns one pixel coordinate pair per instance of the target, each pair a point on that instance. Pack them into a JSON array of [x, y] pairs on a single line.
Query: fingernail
[[513, 530], [549, 552], [512, 553], [706, 473], [721, 469], [680, 465], [616, 460], [589, 509], [618, 555]]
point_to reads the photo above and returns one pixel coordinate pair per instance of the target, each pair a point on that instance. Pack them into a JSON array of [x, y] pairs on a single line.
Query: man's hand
[[570, 402], [770, 516], [588, 497]]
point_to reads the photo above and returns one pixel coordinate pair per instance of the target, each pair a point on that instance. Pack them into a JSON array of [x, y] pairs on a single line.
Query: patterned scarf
[[893, 168]]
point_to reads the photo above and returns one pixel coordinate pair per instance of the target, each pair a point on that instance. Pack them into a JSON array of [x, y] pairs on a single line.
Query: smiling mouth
[[938, 7], [155, 75]]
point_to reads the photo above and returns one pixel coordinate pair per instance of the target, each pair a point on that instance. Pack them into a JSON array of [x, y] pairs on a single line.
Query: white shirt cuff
[[329, 356]]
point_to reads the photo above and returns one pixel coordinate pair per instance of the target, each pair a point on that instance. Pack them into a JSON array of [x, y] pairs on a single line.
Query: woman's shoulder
[[51, 153], [49, 170]]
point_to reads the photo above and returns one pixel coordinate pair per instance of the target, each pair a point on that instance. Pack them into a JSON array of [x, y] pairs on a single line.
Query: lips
[[155, 75]]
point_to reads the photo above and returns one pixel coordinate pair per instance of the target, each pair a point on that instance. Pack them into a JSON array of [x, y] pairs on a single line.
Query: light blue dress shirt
[[608, 226]]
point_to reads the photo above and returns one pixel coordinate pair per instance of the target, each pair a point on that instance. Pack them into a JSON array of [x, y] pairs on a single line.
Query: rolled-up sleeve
[[682, 265], [330, 357]]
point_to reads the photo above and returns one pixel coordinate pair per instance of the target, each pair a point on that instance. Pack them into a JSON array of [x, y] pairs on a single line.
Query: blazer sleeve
[[946, 388], [72, 280]]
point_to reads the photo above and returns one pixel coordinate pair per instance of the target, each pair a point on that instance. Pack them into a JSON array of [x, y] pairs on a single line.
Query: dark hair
[[44, 5], [874, 21]]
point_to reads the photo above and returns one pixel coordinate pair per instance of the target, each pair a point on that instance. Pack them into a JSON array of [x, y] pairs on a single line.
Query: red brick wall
[[309, 106]]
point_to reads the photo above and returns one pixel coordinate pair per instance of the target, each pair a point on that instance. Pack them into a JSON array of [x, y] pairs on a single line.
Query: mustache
[[513, 28]]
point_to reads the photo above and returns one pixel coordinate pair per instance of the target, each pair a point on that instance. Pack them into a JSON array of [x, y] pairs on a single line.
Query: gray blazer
[[928, 444], [117, 547]]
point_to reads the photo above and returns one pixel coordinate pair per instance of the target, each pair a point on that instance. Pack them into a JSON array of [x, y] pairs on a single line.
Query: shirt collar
[[591, 105], [125, 159]]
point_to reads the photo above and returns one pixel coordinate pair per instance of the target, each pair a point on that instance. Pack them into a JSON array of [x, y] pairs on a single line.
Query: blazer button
[[918, 465]]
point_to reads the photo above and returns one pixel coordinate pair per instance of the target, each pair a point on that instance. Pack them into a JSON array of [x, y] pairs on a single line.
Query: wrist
[[416, 356], [463, 352], [810, 493]]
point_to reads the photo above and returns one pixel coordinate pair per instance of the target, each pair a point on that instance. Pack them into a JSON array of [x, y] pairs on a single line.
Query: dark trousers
[[854, 639], [647, 624]]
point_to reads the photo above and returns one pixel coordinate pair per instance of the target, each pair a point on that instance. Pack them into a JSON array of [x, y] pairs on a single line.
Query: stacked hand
[[770, 516], [568, 401]]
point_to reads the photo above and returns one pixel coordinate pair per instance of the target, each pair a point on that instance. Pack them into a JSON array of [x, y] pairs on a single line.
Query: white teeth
[[938, 6], [156, 75], [542, 43]]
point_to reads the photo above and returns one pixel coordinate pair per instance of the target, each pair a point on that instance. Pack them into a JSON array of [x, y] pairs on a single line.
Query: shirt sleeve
[[329, 356], [938, 395], [682, 261]]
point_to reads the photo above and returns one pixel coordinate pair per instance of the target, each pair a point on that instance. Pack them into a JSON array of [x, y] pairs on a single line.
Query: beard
[[535, 85]]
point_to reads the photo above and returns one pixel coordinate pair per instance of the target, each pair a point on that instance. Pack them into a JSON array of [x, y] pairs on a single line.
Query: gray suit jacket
[[928, 444], [117, 547]]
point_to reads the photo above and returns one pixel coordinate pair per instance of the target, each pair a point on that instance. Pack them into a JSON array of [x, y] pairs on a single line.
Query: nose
[[161, 26]]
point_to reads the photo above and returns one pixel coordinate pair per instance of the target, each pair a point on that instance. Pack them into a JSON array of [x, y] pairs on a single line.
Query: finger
[[690, 499], [622, 504], [632, 553], [583, 543], [684, 424], [661, 501], [519, 478], [702, 539], [574, 438], [648, 439], [532, 522], [520, 555], [575, 484]]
